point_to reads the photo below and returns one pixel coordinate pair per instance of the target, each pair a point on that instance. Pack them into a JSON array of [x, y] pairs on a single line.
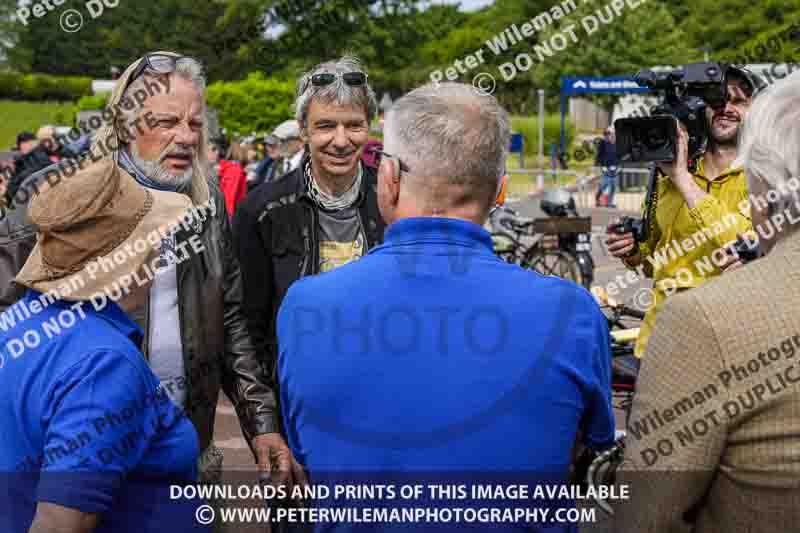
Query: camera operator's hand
[[678, 170], [620, 244]]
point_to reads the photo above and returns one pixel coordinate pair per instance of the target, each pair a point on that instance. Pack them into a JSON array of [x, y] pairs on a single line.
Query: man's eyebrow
[[164, 114]]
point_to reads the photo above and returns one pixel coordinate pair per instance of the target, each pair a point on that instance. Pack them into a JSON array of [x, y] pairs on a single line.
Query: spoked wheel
[[555, 263]]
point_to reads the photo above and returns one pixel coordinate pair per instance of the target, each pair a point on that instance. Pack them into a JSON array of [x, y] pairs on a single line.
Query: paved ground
[[238, 459]]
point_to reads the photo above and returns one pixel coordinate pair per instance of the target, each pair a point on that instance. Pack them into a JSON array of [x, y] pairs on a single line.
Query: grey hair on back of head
[[338, 92], [770, 143], [452, 131]]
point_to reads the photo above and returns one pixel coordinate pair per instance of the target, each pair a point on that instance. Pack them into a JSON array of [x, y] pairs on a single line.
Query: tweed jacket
[[713, 442]]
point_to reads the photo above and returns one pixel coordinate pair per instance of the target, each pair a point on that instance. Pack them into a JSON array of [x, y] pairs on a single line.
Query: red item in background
[[233, 182], [368, 155]]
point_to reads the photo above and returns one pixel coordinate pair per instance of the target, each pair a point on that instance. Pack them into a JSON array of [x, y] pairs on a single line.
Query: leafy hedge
[[529, 128], [92, 103], [41, 87], [256, 104]]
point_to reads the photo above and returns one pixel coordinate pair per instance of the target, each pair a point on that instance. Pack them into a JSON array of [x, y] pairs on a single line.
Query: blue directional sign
[[613, 84], [594, 85]]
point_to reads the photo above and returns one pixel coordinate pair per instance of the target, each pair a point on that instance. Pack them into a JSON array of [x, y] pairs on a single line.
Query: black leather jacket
[[217, 349], [276, 237]]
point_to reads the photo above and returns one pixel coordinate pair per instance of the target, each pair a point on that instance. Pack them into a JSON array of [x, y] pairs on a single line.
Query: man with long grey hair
[[197, 334], [317, 217], [448, 350], [732, 346]]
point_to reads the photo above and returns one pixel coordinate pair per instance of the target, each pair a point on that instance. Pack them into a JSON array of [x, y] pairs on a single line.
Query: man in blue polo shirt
[[432, 362], [90, 442]]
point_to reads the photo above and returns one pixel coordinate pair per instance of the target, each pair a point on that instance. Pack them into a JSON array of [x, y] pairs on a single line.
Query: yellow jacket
[[685, 245]]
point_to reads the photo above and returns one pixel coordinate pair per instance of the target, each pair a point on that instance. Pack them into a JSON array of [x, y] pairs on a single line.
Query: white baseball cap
[[287, 130]]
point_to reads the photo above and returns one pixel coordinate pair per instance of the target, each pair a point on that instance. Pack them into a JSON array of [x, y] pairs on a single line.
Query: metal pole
[[540, 180]]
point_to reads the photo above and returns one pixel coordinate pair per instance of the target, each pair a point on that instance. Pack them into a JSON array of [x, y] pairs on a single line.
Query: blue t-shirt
[[84, 422], [431, 359]]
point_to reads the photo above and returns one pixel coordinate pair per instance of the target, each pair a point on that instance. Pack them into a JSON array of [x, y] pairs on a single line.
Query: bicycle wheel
[[554, 263]]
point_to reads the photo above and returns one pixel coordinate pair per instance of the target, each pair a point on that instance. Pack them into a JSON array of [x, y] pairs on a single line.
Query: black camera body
[[631, 225], [687, 93], [746, 250]]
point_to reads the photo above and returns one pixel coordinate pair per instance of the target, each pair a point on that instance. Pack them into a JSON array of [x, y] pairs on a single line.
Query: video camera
[[687, 93]]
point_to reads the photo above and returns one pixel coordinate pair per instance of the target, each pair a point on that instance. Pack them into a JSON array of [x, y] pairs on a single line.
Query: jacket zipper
[[147, 339], [314, 266]]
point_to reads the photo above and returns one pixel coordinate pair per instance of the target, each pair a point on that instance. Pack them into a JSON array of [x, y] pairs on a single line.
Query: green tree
[[638, 38], [218, 32], [726, 25]]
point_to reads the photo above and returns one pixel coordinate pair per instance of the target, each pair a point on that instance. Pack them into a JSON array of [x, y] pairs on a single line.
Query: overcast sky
[[469, 5]]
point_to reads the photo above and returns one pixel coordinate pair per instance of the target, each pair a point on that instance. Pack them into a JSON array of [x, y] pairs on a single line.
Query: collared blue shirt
[[432, 356], [84, 422]]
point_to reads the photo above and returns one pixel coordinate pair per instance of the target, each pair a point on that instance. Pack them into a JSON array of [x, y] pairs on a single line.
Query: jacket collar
[[301, 191], [438, 231], [731, 172], [111, 313]]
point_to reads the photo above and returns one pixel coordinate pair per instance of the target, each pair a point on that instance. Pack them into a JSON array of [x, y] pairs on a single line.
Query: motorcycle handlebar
[[631, 312]]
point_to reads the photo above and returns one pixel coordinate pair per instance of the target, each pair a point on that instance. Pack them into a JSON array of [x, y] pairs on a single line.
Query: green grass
[[30, 116], [528, 126]]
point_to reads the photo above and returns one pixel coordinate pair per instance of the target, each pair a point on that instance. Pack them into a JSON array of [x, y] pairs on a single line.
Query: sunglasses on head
[[354, 79], [157, 63]]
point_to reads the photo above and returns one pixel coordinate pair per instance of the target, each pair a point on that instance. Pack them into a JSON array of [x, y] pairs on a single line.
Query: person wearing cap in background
[[46, 138], [90, 442], [273, 148], [704, 205], [291, 150]]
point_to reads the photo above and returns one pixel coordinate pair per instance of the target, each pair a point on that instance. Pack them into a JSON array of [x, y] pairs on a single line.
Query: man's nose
[[185, 135], [340, 139]]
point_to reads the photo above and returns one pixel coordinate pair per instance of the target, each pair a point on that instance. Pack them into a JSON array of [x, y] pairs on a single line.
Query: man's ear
[[388, 179], [304, 136], [500, 198]]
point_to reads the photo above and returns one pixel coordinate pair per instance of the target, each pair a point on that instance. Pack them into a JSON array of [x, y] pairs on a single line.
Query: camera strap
[[650, 203]]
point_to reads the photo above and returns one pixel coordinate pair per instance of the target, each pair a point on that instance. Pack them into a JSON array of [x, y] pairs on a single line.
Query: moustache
[[189, 154]]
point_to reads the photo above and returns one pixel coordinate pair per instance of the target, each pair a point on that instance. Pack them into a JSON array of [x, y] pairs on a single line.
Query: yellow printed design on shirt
[[334, 254]]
